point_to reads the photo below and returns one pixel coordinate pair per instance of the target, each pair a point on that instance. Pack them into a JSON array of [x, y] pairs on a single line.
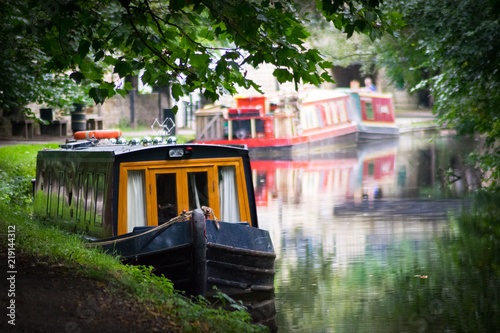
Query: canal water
[[366, 240]]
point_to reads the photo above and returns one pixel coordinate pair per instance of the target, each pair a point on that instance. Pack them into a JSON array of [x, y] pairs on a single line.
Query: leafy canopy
[[185, 44], [452, 48]]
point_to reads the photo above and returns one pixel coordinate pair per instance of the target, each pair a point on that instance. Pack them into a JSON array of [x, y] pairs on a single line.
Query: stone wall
[[402, 99], [117, 110]]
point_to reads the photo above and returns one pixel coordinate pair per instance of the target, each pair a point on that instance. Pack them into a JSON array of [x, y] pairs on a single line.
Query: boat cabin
[[251, 118], [376, 108], [258, 121], [106, 190], [322, 108]]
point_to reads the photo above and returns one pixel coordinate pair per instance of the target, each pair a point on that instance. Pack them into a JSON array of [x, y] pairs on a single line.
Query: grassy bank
[[42, 239]]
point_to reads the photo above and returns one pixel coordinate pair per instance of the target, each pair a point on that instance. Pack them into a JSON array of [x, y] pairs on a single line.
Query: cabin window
[[154, 192], [60, 194], [79, 193], [308, 115], [89, 191], [351, 108], [328, 114], [136, 198], [49, 191], [99, 199], [197, 190], [228, 194], [319, 116], [369, 111], [371, 169], [334, 112], [166, 196], [342, 111]]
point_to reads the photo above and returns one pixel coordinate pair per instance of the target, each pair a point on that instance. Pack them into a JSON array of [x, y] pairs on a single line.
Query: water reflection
[[349, 227]]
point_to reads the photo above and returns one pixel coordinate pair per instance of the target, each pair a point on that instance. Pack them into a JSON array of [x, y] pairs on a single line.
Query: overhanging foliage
[[453, 49], [187, 45]]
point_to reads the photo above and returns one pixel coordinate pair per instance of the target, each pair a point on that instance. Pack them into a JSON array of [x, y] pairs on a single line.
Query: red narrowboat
[[312, 119]]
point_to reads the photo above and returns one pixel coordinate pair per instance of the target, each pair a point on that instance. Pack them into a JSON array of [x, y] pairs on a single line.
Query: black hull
[[196, 256], [377, 133]]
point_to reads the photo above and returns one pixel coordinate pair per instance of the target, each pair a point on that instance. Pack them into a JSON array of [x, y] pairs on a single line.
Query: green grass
[[42, 238], [20, 160], [17, 169], [419, 124]]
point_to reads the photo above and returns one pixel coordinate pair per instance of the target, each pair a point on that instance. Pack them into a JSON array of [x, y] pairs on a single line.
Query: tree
[[24, 77], [330, 39], [453, 49], [186, 44]]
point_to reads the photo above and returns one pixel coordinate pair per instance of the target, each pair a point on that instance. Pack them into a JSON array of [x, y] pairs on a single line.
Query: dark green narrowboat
[[188, 210]]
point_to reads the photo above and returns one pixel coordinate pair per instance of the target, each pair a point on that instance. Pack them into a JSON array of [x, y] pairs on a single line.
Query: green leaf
[[128, 86], [83, 48], [177, 91], [199, 60], [207, 34], [326, 65], [327, 77], [99, 55], [282, 75], [78, 77], [123, 68], [176, 5], [349, 29], [221, 67], [99, 95], [110, 60], [122, 92], [370, 16], [338, 23]]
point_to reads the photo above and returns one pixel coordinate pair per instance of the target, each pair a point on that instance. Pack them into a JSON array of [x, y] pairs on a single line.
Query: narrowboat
[[188, 210], [309, 121]]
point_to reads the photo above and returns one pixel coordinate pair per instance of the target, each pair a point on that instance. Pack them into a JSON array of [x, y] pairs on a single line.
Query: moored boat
[[312, 120], [374, 114], [157, 204]]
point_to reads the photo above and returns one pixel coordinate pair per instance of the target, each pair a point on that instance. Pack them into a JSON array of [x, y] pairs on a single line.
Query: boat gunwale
[[242, 251]]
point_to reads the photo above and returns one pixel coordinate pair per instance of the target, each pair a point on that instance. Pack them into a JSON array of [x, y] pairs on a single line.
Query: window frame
[[181, 168]]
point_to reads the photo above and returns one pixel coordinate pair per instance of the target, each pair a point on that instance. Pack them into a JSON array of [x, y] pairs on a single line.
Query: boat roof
[[132, 151]]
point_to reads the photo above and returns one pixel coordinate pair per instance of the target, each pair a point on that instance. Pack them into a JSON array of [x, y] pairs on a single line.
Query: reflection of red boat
[[364, 172], [315, 118], [379, 167], [378, 170], [273, 177]]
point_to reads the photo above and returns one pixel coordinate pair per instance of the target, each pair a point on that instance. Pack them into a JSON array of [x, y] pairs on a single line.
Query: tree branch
[[146, 2], [152, 49]]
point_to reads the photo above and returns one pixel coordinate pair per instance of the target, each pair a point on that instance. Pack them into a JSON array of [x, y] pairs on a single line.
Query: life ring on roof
[[98, 134]]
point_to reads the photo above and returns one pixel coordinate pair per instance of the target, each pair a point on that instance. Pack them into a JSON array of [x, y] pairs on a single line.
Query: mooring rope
[[207, 211]]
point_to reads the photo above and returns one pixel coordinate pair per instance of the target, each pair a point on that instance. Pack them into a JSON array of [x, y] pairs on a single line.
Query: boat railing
[[215, 125], [268, 126]]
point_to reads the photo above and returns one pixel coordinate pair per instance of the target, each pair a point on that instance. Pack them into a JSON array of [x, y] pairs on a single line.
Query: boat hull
[[313, 140], [198, 257], [375, 132]]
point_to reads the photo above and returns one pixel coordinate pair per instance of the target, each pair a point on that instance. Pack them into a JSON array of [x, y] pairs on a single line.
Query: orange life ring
[[98, 134]]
